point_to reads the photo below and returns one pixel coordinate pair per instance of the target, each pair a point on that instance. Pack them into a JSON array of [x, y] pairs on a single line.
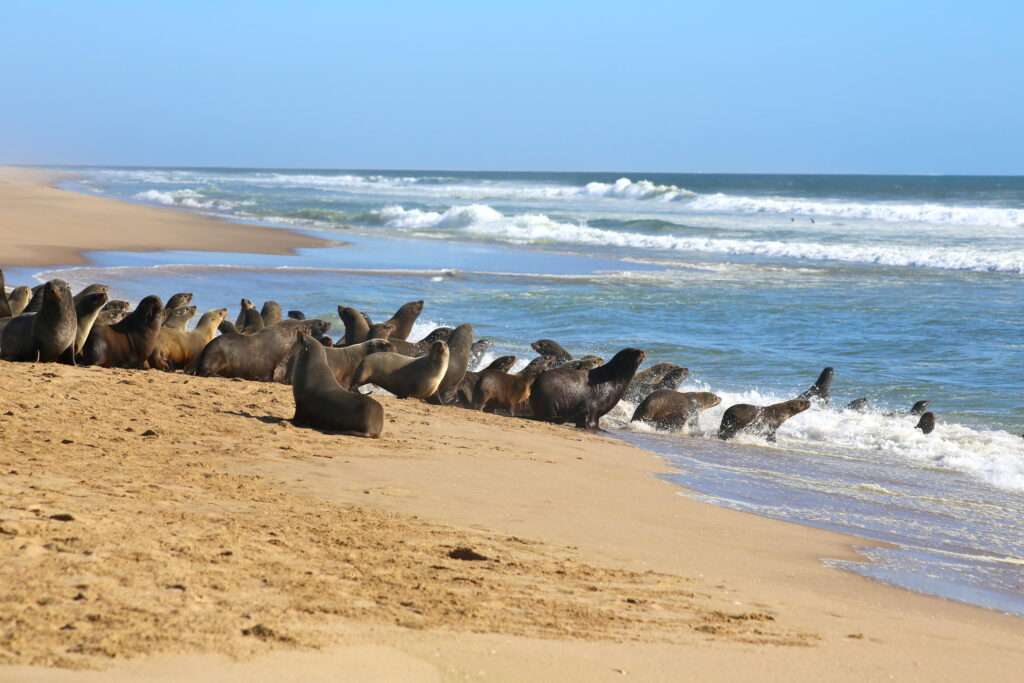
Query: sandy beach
[[166, 527], [42, 225]]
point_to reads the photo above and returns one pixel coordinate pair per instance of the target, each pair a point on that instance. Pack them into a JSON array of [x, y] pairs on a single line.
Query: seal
[[403, 376], [86, 311], [584, 396], [270, 313], [759, 420], [671, 411], [113, 312], [497, 389], [357, 327], [859, 405], [177, 348], [177, 318], [89, 290], [254, 356], [459, 346], [437, 334], [549, 347], [5, 304], [822, 387], [178, 300], [927, 423], [585, 363], [321, 403], [381, 331], [227, 327], [477, 351], [919, 408], [47, 335], [128, 343], [404, 318], [658, 376], [249, 320], [342, 361], [296, 315], [464, 392], [18, 299], [35, 302]]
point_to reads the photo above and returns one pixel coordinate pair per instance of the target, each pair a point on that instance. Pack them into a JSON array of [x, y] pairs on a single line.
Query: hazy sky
[[864, 86]]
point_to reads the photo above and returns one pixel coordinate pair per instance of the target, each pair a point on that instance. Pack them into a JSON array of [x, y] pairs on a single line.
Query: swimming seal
[[464, 392], [658, 376], [47, 335], [757, 420], [549, 347], [321, 403], [403, 376], [583, 396], [177, 318], [459, 345], [177, 348], [113, 312], [859, 405], [670, 410], [128, 343], [254, 356], [927, 423], [270, 313], [357, 327], [497, 389], [822, 387], [86, 311], [343, 361], [249, 320], [404, 318]]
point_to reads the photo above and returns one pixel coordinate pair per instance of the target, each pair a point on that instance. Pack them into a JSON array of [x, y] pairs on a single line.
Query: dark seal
[[549, 347], [583, 396], [460, 344], [128, 343], [658, 376], [47, 335], [321, 403], [270, 313], [764, 421], [927, 423], [671, 410], [254, 356], [822, 387]]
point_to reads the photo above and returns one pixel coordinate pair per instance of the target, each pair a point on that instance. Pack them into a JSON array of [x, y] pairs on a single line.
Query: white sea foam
[[993, 456], [189, 199], [535, 228]]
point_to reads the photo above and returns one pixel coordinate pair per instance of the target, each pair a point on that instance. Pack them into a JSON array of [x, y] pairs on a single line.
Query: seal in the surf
[[322, 403], [583, 396], [822, 387], [658, 376], [765, 421], [671, 410], [927, 422]]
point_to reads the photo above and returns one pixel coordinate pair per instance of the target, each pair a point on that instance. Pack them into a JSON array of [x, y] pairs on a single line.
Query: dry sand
[[168, 527], [41, 225]]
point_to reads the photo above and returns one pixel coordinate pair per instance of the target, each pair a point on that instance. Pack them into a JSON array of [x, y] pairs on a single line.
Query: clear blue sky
[[887, 87]]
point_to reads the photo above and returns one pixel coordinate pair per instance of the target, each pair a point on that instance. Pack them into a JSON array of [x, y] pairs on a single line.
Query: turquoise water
[[911, 287]]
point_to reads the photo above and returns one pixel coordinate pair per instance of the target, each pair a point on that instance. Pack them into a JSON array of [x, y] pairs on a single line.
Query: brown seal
[[177, 318], [497, 389], [404, 318], [343, 361], [670, 410], [658, 376], [91, 289], [270, 313], [459, 345], [765, 421], [583, 396], [549, 347], [86, 311], [178, 300], [249, 320], [466, 388], [47, 335], [321, 403], [129, 343], [35, 302], [5, 304], [927, 422], [403, 376], [357, 327], [18, 299], [296, 315], [822, 387], [176, 349], [113, 312], [585, 363], [254, 356]]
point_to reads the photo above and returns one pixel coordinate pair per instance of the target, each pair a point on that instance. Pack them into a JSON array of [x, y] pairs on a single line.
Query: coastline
[[44, 225], [453, 468]]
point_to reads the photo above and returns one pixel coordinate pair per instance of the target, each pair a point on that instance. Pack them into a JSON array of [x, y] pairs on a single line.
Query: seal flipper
[[822, 387]]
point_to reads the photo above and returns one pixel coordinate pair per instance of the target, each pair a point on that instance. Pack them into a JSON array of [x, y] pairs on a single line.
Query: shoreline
[[626, 517], [44, 225]]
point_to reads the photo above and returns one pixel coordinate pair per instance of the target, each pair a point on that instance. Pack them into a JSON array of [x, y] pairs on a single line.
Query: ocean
[[910, 287]]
